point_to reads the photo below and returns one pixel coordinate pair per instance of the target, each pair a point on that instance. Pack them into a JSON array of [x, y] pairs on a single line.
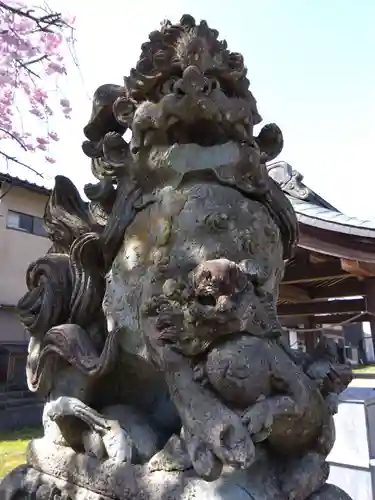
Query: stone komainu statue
[[153, 328]]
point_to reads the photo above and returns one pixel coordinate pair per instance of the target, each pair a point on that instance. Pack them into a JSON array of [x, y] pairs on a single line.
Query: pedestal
[[352, 458]]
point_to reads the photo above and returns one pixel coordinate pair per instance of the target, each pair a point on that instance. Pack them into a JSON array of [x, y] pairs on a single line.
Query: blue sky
[[311, 64]]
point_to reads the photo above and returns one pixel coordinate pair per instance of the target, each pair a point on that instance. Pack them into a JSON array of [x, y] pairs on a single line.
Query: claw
[[118, 445], [207, 466], [259, 421], [237, 447], [205, 463], [116, 441]]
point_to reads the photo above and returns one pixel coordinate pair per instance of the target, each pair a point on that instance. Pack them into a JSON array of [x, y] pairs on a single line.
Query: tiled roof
[[312, 209], [318, 216], [29, 180]]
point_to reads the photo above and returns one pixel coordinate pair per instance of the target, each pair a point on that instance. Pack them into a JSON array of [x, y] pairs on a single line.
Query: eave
[[323, 228]]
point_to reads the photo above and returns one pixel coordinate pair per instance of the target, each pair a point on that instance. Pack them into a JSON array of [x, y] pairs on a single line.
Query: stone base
[[55, 472]]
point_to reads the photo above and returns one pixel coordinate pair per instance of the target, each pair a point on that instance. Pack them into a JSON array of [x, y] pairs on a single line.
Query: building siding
[[17, 250]]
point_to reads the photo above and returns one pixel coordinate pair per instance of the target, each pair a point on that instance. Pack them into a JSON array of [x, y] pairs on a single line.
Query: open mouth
[[205, 133], [200, 120]]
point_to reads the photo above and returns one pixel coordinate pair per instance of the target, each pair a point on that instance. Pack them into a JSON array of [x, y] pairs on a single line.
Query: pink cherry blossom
[[53, 136], [65, 103], [42, 140], [31, 59]]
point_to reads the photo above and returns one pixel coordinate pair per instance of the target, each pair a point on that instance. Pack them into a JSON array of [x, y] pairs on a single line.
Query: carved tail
[[72, 344]]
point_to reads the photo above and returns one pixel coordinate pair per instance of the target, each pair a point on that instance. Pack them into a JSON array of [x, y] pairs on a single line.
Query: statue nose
[[216, 278]]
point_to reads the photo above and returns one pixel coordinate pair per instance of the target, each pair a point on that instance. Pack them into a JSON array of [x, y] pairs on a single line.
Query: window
[[38, 227], [23, 222], [27, 223]]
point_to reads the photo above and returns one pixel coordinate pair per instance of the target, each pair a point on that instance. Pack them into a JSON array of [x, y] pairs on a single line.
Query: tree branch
[[24, 66], [12, 136], [33, 61], [14, 159], [43, 22]]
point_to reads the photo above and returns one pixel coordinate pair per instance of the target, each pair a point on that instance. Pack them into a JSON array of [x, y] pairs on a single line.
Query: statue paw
[[93, 444], [173, 457], [219, 441], [233, 444], [114, 444], [259, 421], [104, 437], [205, 463], [118, 444]]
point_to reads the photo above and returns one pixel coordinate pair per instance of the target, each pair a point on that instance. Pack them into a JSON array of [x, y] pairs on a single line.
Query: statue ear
[[270, 141]]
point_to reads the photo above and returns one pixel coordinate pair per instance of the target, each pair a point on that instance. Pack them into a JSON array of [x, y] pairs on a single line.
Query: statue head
[[187, 100], [186, 87]]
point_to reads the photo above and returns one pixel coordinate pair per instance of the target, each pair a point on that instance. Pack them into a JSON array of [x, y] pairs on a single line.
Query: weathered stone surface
[[153, 327], [112, 481], [125, 481]]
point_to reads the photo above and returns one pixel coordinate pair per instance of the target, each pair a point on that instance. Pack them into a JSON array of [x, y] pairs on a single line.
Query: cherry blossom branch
[[38, 59], [31, 54], [25, 67], [14, 137], [52, 19]]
